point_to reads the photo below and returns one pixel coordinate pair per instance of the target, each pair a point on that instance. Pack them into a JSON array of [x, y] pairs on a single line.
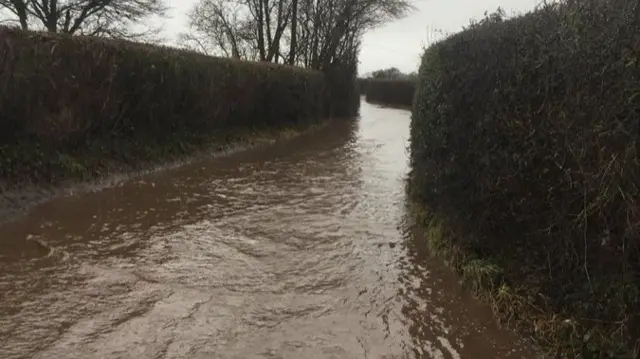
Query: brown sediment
[[300, 249]]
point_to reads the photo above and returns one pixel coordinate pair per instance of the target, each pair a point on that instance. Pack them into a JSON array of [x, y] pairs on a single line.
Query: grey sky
[[400, 43]]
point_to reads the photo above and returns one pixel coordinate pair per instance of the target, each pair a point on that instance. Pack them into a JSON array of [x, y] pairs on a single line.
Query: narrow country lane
[[298, 250]]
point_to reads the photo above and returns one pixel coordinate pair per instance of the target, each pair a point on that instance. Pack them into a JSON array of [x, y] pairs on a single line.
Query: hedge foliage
[[525, 137], [342, 96], [361, 85], [398, 92], [61, 94]]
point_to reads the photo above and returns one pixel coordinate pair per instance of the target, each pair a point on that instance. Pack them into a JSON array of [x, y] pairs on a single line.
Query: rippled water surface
[[297, 250]]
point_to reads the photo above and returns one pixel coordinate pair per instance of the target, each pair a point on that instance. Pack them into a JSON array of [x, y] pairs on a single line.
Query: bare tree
[[113, 18], [316, 32], [294, 32], [331, 28], [220, 27], [349, 19], [257, 26]]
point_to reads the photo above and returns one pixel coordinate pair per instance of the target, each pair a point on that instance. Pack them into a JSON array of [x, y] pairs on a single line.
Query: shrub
[[361, 84], [525, 137], [397, 92], [61, 94], [343, 98]]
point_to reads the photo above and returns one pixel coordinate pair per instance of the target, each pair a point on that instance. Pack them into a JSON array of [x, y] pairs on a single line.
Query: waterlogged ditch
[[302, 249]]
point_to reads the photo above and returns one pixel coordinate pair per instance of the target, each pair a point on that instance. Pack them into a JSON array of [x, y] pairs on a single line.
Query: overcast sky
[[397, 44]]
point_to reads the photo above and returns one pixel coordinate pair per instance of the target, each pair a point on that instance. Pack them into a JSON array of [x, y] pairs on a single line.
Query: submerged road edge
[[18, 198]]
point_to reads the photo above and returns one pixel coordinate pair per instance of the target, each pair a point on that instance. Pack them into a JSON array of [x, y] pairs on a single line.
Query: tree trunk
[[267, 27], [294, 24], [281, 25], [21, 10], [315, 40], [337, 34], [52, 16], [260, 19]]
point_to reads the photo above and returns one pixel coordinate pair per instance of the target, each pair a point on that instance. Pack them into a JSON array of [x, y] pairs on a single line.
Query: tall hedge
[[343, 97], [525, 138], [398, 92], [62, 94], [361, 85]]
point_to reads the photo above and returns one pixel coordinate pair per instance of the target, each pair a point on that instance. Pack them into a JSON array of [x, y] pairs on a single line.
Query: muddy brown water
[[297, 250]]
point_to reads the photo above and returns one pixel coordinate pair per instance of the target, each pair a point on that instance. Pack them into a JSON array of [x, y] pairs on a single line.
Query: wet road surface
[[298, 250]]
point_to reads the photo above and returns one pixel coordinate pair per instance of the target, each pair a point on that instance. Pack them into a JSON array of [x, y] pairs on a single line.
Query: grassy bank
[[396, 92], [80, 107], [525, 163]]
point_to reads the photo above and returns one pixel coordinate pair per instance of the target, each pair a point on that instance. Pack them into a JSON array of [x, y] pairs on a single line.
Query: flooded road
[[298, 250]]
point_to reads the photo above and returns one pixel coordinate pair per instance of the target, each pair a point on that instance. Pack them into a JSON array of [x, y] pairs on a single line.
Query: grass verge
[[513, 291]]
